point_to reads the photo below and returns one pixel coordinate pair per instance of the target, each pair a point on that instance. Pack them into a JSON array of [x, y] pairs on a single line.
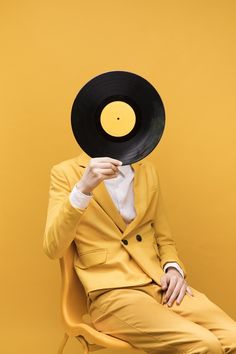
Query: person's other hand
[[174, 287], [98, 169]]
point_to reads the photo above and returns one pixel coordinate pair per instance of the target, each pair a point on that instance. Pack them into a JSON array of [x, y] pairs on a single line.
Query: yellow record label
[[118, 118]]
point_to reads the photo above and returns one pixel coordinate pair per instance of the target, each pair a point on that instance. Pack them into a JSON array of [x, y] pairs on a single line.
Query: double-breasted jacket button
[[138, 237], [125, 242]]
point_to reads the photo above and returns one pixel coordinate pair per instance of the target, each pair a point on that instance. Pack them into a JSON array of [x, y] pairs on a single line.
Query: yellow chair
[[75, 315]]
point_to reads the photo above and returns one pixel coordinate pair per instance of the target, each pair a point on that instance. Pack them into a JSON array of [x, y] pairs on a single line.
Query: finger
[[105, 172], [189, 290], [173, 281], [181, 294], [105, 165], [175, 293], [108, 159], [164, 282]]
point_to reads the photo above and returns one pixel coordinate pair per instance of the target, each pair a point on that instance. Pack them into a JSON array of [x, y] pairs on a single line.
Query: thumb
[[163, 283]]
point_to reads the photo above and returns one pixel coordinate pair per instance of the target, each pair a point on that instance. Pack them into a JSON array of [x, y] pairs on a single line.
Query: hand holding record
[[98, 169]]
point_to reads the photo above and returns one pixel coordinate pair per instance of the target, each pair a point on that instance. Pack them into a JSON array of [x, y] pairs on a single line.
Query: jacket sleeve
[[62, 217], [166, 244]]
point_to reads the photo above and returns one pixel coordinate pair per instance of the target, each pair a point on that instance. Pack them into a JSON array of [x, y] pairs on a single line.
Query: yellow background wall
[[186, 48]]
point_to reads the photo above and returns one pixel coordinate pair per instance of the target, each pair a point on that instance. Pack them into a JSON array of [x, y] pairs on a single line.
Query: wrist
[[83, 189], [172, 269]]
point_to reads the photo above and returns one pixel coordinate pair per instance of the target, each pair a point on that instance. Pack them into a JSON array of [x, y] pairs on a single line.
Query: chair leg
[[63, 343], [84, 344]]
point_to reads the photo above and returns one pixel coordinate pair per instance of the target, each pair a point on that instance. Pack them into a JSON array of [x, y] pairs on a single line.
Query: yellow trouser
[[137, 315]]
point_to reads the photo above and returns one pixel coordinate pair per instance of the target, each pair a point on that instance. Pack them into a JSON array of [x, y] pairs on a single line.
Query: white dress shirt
[[120, 189]]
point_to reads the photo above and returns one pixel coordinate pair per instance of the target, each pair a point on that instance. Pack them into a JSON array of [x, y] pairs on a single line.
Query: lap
[[142, 306], [138, 316]]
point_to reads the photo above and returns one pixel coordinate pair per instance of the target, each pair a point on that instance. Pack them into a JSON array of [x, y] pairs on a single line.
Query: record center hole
[[118, 118]]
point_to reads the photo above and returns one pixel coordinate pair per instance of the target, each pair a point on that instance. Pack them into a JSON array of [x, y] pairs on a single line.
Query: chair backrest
[[73, 297]]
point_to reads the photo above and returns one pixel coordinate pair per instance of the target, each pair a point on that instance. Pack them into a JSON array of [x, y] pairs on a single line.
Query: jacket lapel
[[103, 198], [140, 195]]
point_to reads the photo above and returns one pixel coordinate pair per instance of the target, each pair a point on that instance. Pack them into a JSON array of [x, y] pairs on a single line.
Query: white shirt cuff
[[79, 199], [175, 265]]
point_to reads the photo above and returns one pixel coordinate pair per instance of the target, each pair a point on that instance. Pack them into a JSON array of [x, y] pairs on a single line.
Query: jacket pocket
[[91, 258]]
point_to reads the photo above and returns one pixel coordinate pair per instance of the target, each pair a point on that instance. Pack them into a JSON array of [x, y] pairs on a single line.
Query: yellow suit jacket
[[109, 252]]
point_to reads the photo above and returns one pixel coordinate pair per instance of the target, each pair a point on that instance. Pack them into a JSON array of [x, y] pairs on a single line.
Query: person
[[127, 260]]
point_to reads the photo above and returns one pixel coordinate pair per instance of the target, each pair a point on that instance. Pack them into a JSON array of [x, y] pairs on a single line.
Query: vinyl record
[[118, 114]]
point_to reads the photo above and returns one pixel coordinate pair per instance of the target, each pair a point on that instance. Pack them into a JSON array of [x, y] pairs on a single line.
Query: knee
[[207, 343], [229, 340], [212, 344]]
